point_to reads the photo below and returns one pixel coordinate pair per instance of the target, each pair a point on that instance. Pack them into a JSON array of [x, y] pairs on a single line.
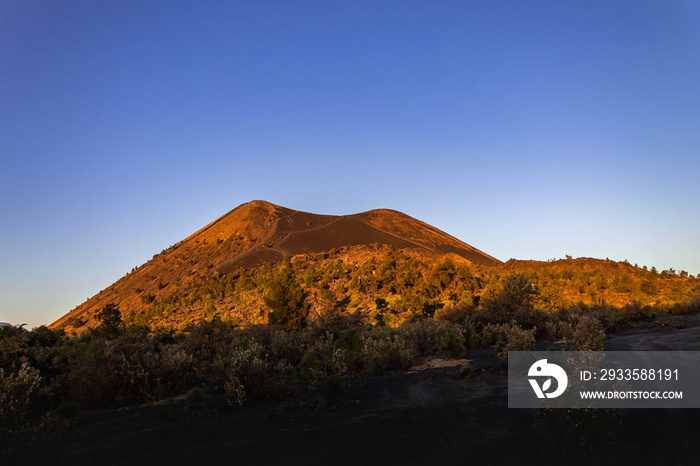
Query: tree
[[287, 300], [515, 300], [110, 319]]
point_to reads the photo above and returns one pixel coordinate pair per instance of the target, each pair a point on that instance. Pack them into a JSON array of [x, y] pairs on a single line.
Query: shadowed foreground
[[421, 417]]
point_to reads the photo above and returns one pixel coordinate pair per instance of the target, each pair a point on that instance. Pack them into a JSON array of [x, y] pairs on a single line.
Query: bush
[[589, 334], [377, 368], [465, 372], [452, 345], [520, 339], [195, 396], [351, 345], [475, 341], [310, 366], [329, 390], [396, 349], [493, 333], [501, 349], [426, 335], [517, 339], [515, 299], [19, 393]]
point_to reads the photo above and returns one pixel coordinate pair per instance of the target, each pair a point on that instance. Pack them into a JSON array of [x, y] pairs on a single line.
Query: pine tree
[[287, 300]]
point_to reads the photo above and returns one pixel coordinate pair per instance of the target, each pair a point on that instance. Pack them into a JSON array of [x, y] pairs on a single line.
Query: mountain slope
[[259, 232]]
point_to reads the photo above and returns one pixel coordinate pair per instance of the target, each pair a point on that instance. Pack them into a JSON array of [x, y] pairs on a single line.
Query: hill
[[565, 282], [255, 235]]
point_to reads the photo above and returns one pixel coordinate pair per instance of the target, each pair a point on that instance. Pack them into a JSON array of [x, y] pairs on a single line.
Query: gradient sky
[[529, 130]]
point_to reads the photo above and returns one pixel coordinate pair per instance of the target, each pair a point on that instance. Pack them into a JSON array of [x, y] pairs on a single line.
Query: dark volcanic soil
[[417, 418]]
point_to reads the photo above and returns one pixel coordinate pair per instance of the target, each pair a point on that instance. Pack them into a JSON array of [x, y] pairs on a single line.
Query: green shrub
[[351, 345], [500, 346], [452, 345], [475, 341], [465, 372], [309, 366], [377, 368], [195, 396]]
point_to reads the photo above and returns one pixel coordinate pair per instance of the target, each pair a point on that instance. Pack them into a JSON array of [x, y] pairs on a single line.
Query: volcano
[[258, 233]]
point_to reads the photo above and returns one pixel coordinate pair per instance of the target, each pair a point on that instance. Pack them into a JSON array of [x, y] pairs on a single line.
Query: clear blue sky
[[530, 130]]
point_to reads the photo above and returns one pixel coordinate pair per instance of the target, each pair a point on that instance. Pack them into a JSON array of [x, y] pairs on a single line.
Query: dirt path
[[683, 336]]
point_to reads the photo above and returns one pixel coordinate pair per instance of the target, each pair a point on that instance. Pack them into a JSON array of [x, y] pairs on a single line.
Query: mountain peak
[[259, 204], [260, 232]]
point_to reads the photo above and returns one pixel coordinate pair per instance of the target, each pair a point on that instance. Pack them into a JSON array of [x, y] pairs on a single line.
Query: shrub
[[501, 349], [244, 377], [419, 337], [336, 322], [351, 345], [397, 352], [284, 345], [195, 396], [520, 339], [148, 298], [465, 372], [330, 389], [515, 299], [452, 345], [589, 334], [517, 339], [493, 333], [310, 366], [475, 341], [377, 368], [235, 392], [19, 393]]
